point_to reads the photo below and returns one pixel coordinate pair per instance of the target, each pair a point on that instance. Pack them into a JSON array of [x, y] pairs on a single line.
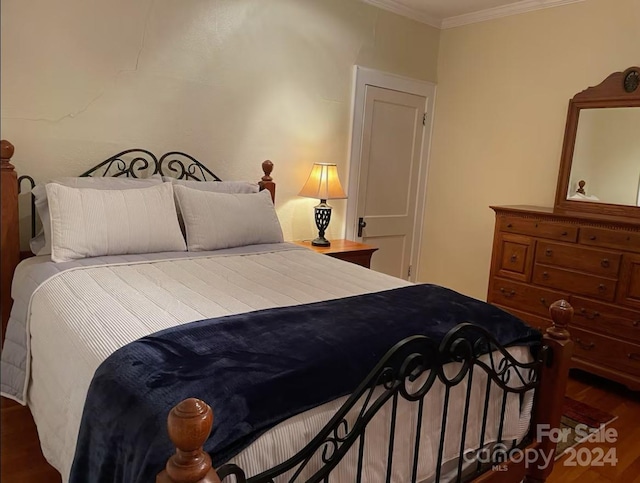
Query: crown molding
[[516, 8], [413, 13], [523, 6]]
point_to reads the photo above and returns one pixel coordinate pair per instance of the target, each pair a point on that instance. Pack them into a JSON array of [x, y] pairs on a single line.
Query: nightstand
[[346, 250]]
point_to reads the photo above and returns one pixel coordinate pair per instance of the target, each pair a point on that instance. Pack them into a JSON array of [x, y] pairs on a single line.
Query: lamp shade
[[323, 183]]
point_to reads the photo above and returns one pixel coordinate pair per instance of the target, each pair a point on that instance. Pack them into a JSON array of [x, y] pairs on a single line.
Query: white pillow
[[222, 220], [41, 243], [215, 186], [87, 222]]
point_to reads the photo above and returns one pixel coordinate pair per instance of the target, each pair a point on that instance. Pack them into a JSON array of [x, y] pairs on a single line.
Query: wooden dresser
[[593, 261]]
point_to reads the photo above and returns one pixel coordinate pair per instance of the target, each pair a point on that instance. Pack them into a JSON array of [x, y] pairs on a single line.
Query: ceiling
[[453, 13]]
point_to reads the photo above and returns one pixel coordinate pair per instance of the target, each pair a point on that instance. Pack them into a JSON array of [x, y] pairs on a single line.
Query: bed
[[430, 404]]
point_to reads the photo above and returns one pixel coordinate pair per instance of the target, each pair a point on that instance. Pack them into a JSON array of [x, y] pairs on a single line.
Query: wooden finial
[[189, 424], [267, 167], [581, 184], [266, 183], [561, 314], [6, 153]]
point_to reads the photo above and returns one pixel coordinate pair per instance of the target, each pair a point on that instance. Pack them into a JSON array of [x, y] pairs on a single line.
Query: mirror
[[600, 163], [606, 157]]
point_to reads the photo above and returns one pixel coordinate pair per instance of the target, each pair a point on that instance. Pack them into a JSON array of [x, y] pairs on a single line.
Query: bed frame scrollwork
[[133, 163], [414, 359]]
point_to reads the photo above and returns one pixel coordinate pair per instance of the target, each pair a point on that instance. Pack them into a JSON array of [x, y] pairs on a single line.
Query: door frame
[[363, 77]]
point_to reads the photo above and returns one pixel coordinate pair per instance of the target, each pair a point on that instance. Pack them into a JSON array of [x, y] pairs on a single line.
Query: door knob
[[361, 224]]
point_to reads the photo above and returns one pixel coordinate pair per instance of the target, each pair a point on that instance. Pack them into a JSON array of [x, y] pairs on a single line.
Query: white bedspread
[[79, 317]]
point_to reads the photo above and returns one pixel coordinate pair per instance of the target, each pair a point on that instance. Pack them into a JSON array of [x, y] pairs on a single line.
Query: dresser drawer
[[578, 283], [526, 298], [606, 351], [629, 292], [611, 319], [542, 229], [623, 240], [598, 262], [362, 259], [535, 321], [515, 257]]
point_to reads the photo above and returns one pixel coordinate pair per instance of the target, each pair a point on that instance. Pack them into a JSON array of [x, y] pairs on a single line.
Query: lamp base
[[323, 216], [321, 242]]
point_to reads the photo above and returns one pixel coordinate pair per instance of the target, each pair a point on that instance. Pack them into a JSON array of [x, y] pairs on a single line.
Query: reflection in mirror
[[606, 158]]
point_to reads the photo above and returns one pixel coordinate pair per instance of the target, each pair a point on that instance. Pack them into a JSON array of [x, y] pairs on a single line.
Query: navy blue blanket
[[256, 370]]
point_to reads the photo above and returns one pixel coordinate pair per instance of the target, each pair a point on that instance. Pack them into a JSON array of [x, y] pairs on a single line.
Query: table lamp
[[323, 184]]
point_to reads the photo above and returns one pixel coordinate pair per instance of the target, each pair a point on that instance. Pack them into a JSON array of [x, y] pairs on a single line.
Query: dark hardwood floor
[[22, 460], [618, 401]]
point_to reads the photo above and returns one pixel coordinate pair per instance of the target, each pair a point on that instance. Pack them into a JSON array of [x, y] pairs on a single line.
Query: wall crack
[[104, 91]]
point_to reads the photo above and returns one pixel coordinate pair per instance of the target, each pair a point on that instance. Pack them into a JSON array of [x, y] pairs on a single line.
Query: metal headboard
[[174, 163], [32, 184], [132, 163]]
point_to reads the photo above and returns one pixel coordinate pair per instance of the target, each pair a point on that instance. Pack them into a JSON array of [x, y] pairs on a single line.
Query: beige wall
[[503, 91], [232, 82]]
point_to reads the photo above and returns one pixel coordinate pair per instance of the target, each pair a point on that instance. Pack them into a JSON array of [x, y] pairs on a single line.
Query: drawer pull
[[584, 345], [543, 301], [548, 252], [510, 225], [536, 225], [564, 233], [634, 356], [605, 263], [545, 275], [592, 237], [601, 288], [635, 323], [584, 312], [507, 294], [514, 258]]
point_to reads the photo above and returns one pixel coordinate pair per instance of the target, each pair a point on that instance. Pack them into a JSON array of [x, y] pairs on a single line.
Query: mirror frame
[[620, 89]]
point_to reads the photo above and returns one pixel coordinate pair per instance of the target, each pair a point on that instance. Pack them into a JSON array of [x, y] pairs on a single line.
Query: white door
[[389, 183]]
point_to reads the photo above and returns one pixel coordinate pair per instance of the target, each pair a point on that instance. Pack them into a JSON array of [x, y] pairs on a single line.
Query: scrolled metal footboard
[[409, 371]]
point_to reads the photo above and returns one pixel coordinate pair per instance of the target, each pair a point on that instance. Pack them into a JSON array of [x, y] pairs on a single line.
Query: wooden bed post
[[550, 399], [9, 223], [189, 425], [549, 402], [266, 183]]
